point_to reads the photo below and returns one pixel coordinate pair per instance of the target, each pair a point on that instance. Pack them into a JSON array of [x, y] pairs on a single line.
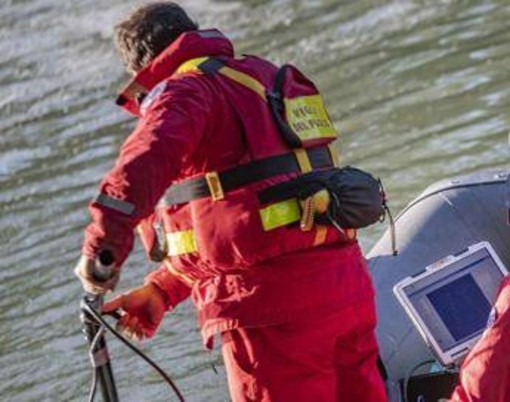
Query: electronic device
[[451, 300]]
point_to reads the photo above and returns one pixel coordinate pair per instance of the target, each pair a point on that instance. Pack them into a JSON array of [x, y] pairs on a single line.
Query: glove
[[143, 307], [85, 270]]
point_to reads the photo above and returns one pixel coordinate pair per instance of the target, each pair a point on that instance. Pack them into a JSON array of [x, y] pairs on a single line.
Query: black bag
[[429, 387], [357, 198]]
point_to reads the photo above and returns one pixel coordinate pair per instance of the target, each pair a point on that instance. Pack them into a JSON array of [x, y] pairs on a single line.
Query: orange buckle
[[214, 184], [307, 215]]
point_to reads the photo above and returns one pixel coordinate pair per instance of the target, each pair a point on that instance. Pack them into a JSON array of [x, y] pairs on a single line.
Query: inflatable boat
[[448, 217]]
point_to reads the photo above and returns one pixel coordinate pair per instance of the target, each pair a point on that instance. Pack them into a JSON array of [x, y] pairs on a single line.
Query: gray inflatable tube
[[448, 217]]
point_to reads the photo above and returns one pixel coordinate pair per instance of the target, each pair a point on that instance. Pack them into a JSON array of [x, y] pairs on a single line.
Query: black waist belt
[[239, 176]]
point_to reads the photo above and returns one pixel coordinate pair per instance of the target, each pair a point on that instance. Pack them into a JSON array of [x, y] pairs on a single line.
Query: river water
[[420, 90]]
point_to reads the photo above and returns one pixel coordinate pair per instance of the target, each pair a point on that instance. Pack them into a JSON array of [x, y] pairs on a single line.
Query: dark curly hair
[[148, 30]]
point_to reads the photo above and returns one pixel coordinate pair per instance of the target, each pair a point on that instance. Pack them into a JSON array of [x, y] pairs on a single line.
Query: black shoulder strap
[[274, 97], [211, 65], [275, 100]]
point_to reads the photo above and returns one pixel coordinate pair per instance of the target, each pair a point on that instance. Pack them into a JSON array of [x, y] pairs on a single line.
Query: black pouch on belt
[[356, 198]]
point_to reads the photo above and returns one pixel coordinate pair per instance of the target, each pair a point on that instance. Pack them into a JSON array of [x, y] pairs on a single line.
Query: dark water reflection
[[420, 90]]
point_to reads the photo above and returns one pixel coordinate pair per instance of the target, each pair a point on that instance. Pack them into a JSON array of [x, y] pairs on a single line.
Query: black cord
[[95, 378], [93, 312], [411, 372], [93, 387], [387, 211]]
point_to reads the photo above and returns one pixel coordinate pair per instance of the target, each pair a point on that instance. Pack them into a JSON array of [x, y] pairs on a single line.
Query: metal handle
[[104, 266]]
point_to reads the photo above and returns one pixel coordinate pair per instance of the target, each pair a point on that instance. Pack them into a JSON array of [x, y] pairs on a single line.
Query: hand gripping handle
[[104, 266]]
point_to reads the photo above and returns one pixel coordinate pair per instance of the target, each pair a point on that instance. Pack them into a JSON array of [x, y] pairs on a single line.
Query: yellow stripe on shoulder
[[191, 65], [245, 80]]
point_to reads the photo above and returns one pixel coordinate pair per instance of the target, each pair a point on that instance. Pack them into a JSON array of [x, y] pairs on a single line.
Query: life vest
[[218, 222]]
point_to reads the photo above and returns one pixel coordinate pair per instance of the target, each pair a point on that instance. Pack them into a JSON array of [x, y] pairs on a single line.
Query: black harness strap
[[196, 188], [211, 65], [276, 104]]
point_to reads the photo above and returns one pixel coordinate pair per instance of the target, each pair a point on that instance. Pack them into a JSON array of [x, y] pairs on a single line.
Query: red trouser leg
[[356, 353], [325, 359]]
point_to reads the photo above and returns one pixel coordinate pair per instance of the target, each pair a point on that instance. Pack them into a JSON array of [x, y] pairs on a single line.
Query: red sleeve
[[149, 160], [175, 289], [485, 372]]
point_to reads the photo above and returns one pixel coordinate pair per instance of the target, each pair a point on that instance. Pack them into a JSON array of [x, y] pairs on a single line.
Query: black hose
[[95, 314]]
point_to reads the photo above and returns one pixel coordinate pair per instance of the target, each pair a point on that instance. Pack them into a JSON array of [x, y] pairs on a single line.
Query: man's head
[[148, 30]]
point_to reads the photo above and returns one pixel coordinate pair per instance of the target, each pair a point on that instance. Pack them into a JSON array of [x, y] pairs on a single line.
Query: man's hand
[[144, 308], [91, 284]]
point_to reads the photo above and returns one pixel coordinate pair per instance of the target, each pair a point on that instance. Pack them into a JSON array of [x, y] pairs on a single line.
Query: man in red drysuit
[[294, 304], [485, 373]]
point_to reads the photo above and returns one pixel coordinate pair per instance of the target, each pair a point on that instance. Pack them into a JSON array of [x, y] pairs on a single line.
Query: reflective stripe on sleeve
[[115, 204], [181, 242], [280, 214]]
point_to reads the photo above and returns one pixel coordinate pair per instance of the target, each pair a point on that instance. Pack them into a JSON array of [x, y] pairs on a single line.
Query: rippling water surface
[[419, 89]]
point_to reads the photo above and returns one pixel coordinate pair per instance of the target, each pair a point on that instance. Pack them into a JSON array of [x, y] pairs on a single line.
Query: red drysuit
[[485, 373], [299, 303]]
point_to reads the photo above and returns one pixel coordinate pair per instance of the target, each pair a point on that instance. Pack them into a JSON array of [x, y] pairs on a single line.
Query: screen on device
[[462, 307], [455, 301]]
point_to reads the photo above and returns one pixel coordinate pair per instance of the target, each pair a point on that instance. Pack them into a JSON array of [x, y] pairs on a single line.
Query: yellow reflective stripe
[[183, 277], [308, 117], [181, 242], [245, 80], [191, 65], [303, 160], [280, 214], [237, 76]]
